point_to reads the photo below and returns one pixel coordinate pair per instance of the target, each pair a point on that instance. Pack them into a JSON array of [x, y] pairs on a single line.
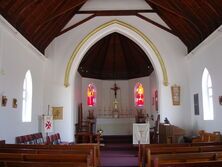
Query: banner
[[48, 123]]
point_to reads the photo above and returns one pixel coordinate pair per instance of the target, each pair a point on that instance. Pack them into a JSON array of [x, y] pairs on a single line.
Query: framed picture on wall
[[4, 101], [14, 103], [175, 91], [196, 104], [57, 113]]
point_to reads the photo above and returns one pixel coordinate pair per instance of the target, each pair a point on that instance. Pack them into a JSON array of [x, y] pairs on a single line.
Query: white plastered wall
[[206, 55], [17, 56]]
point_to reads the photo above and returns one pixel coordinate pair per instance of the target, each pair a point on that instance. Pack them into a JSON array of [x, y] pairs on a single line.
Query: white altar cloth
[[141, 133]]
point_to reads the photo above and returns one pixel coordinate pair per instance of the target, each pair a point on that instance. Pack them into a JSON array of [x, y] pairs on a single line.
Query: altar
[[141, 133], [115, 126]]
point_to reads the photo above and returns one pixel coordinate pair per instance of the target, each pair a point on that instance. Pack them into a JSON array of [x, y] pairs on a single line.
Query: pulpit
[[170, 133], [141, 133]]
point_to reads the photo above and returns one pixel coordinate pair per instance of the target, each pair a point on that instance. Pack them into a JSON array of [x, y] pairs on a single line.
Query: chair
[[155, 133]]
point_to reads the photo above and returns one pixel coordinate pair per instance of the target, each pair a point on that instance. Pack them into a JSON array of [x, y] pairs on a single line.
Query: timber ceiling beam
[[60, 14], [75, 25], [156, 24], [115, 12], [179, 14]]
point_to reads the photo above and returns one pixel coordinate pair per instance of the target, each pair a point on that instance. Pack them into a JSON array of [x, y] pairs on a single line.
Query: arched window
[[207, 93], [91, 95], [27, 98], [139, 95]]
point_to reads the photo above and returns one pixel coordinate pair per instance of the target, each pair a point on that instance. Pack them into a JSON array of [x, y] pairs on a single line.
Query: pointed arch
[[207, 94], [91, 95], [139, 95], [127, 30], [27, 98]]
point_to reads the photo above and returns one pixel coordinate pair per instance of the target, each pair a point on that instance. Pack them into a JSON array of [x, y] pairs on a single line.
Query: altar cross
[[115, 88]]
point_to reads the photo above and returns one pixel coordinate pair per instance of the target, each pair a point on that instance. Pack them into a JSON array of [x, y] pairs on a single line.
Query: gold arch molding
[[125, 25]]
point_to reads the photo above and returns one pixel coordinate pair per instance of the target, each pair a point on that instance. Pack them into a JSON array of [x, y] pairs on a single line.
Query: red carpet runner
[[121, 155]]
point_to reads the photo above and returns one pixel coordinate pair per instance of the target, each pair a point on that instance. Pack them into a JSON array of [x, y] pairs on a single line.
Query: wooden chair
[[155, 133]]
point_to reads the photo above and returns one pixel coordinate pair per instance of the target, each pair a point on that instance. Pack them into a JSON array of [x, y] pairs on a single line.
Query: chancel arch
[[130, 32]]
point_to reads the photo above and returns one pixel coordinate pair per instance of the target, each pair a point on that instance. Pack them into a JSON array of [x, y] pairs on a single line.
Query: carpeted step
[[119, 161], [118, 139], [121, 146]]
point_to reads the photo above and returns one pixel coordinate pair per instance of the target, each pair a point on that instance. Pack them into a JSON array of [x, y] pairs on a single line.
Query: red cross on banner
[[48, 124]]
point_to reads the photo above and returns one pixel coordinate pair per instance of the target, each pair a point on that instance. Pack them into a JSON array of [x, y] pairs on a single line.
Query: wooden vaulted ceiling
[[115, 57], [40, 21]]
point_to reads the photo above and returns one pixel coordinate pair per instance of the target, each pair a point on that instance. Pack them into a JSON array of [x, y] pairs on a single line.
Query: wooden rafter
[[59, 14], [75, 25], [156, 24], [115, 12], [212, 8], [177, 14]]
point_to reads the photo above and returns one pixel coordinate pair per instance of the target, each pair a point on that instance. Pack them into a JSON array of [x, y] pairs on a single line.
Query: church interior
[[124, 78]]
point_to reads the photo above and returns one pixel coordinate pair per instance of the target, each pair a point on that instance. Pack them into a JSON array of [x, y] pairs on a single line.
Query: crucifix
[[115, 88]]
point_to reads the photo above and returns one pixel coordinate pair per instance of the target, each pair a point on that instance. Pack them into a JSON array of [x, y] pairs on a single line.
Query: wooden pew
[[94, 147], [52, 151], [2, 141], [143, 148], [35, 138], [191, 164], [56, 139], [40, 164], [187, 159], [77, 159], [177, 150], [207, 137]]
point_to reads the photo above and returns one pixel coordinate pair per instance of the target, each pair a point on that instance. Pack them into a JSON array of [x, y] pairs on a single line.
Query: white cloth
[[141, 133]]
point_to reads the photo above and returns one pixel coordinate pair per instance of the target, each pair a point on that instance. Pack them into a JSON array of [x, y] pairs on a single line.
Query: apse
[[111, 71], [115, 57]]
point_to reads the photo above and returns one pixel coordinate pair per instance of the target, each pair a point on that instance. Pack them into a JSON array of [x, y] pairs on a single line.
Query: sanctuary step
[[126, 139]]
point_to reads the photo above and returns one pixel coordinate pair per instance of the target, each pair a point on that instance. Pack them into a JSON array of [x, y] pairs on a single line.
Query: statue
[[166, 121], [115, 109]]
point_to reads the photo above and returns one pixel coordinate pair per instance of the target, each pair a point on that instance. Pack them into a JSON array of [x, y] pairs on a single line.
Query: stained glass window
[[139, 94], [91, 95]]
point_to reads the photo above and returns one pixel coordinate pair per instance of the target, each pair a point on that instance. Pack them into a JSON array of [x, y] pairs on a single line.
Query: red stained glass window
[[91, 95], [139, 95]]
